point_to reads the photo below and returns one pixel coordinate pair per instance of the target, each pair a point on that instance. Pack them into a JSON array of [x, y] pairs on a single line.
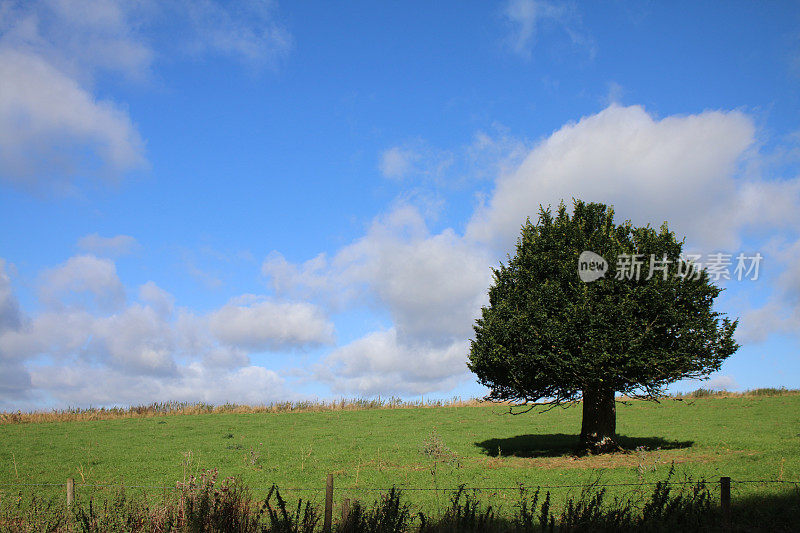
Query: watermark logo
[[591, 266], [717, 266]]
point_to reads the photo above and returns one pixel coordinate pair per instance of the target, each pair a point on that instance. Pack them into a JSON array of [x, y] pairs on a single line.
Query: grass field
[[746, 438]]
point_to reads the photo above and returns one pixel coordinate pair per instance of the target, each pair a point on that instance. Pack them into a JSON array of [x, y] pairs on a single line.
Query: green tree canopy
[[546, 334]]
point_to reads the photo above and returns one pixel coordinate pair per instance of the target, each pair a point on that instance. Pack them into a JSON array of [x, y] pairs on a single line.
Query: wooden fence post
[[345, 509], [326, 524], [70, 491], [725, 499]]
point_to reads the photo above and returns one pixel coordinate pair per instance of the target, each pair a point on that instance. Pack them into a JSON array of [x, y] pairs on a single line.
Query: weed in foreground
[[303, 519], [201, 504]]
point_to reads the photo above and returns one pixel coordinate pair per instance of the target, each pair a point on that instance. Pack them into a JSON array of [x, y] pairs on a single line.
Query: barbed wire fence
[[725, 483], [407, 488]]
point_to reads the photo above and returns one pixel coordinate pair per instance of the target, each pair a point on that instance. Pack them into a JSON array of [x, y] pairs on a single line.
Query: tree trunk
[[599, 425]]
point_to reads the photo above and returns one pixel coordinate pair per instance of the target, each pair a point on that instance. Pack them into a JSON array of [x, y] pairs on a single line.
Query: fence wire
[[406, 488]]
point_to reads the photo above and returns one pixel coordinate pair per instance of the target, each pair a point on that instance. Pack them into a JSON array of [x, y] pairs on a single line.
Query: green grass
[[747, 438]]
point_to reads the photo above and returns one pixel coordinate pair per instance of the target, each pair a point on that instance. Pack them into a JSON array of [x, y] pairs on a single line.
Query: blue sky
[[259, 201]]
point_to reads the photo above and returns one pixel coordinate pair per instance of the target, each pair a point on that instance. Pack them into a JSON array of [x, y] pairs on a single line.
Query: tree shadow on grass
[[560, 444]]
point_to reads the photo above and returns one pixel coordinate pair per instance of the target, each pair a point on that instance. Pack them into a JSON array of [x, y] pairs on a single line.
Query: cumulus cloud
[[15, 382], [108, 246], [682, 169], [771, 204], [780, 313], [82, 385], [79, 37], [225, 357], [51, 333], [693, 171], [382, 363], [721, 383], [142, 351], [162, 301], [759, 323], [432, 285], [130, 357], [82, 37], [687, 170], [10, 317], [256, 324], [14, 378], [136, 340], [52, 129], [84, 281]]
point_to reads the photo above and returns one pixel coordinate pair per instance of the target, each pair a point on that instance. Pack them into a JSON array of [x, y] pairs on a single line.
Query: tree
[[546, 334]]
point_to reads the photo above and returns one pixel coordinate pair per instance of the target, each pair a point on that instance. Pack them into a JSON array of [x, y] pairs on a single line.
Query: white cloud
[[84, 281], [137, 340], [10, 317], [488, 155], [249, 385], [396, 162], [780, 313], [108, 246], [788, 283], [433, 285], [15, 382], [14, 379], [700, 173], [524, 15], [721, 383], [615, 93], [52, 129], [79, 37], [771, 204], [527, 18], [416, 159], [682, 169], [759, 323], [247, 30], [226, 357], [381, 363], [308, 278], [255, 324], [141, 352], [81, 385], [52, 333], [493, 154], [146, 340], [162, 301]]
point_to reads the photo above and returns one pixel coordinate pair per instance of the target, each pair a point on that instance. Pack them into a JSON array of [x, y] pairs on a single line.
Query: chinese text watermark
[[718, 266]]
